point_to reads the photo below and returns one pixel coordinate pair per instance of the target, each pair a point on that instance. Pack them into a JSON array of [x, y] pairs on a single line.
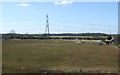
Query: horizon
[[60, 33], [69, 17]]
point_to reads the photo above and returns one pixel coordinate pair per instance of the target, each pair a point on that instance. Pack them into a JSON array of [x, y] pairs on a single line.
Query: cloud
[[30, 17], [23, 4], [63, 2]]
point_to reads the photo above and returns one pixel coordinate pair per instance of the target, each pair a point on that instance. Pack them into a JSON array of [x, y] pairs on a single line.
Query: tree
[[109, 37], [12, 32]]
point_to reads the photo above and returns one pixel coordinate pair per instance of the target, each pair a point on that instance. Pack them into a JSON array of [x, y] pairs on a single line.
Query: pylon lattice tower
[[47, 27]]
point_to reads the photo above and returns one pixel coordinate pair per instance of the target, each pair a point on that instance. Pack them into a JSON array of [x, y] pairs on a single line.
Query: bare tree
[[12, 31]]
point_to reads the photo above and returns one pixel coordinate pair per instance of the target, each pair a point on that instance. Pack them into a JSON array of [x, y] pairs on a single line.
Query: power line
[[55, 27], [62, 21]]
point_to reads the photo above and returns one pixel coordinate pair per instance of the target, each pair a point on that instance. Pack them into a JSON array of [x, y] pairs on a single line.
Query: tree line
[[45, 36]]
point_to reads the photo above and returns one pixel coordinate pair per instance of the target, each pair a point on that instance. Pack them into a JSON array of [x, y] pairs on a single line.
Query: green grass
[[36, 55]]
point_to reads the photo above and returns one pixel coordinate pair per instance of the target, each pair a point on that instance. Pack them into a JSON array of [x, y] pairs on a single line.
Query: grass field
[[81, 36], [58, 55]]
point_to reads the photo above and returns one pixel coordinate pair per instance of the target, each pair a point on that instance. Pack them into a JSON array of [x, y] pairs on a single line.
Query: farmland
[[22, 56]]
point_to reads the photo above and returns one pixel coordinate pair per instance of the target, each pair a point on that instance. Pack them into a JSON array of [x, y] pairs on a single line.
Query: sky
[[64, 17]]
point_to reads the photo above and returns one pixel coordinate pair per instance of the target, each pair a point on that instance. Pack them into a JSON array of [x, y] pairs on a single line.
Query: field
[[22, 56], [80, 36]]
